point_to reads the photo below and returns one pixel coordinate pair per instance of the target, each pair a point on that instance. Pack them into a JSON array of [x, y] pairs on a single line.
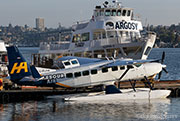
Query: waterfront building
[[40, 24]]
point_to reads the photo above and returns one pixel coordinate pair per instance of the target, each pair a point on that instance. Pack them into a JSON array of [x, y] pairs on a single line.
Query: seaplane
[[73, 74]]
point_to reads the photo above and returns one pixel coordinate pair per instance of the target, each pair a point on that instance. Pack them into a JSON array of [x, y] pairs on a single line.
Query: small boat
[[127, 94]]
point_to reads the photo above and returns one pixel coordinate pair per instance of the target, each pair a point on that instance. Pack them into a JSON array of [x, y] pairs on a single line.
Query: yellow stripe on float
[[63, 85]]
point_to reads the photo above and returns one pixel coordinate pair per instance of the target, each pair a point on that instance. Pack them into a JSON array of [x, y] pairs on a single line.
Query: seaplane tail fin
[[34, 71], [18, 67]]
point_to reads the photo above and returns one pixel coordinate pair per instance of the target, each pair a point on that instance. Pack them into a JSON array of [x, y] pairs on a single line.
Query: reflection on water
[[52, 109]]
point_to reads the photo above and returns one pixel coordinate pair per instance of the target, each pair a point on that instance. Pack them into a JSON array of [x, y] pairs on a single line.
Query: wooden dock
[[40, 93]]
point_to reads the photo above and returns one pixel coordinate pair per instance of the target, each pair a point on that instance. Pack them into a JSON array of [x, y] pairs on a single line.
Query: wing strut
[[148, 82], [133, 84], [128, 67]]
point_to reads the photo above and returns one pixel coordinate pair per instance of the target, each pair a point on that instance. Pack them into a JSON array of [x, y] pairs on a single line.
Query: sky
[[68, 12]]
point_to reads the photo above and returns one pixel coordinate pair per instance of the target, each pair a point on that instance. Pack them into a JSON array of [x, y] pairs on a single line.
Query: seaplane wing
[[127, 62]]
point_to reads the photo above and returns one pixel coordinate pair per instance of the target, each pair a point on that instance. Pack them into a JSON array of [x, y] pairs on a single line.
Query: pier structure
[[40, 93]]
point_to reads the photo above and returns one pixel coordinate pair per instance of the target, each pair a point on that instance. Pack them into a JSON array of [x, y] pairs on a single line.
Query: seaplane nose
[[153, 68]]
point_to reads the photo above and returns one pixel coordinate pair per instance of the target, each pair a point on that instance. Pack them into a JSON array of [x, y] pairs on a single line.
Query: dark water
[[54, 109]]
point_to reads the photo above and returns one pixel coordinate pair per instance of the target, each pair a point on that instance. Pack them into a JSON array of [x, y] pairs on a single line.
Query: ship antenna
[[60, 30]]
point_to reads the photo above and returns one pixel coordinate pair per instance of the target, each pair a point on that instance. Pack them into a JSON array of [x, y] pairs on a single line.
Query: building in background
[[40, 24]]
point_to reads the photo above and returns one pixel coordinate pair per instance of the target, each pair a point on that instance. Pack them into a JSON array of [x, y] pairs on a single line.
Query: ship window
[[69, 75], [85, 73], [107, 13], [104, 70], [119, 13], [93, 71], [85, 36], [147, 51], [97, 36], [113, 12], [124, 13], [78, 37], [129, 13], [127, 34], [111, 34], [121, 33], [103, 35], [122, 67], [77, 74], [74, 38], [114, 68], [102, 13]]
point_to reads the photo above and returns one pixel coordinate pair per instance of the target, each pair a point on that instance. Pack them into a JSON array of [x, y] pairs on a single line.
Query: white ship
[[111, 32], [3, 59]]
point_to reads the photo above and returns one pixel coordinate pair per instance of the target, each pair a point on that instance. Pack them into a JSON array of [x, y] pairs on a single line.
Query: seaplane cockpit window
[[107, 13], [67, 63], [124, 13], [74, 62], [113, 13], [114, 68], [94, 71], [129, 13], [69, 75], [104, 70], [119, 13], [85, 73], [122, 67], [77, 74]]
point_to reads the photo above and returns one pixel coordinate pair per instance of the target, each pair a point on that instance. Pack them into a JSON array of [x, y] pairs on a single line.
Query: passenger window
[[124, 13], [104, 70], [122, 67], [107, 13], [85, 73], [130, 66], [129, 13], [67, 63], [74, 62], [93, 72], [114, 68], [69, 75], [119, 13], [77, 74]]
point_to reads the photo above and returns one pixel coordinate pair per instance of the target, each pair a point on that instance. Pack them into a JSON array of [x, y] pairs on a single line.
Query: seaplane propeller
[[163, 66]]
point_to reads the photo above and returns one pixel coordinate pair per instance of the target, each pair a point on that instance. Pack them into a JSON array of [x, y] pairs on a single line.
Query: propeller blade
[[165, 70], [163, 57]]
